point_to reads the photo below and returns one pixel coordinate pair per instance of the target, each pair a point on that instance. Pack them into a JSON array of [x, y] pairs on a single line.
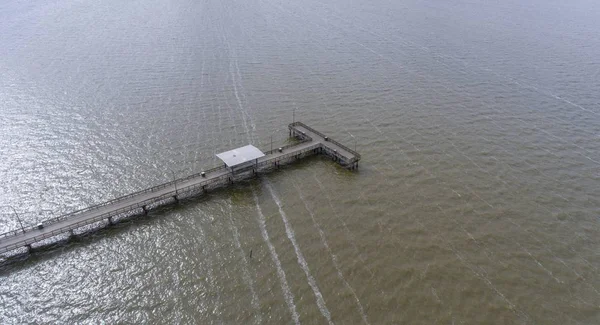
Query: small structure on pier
[[241, 158]]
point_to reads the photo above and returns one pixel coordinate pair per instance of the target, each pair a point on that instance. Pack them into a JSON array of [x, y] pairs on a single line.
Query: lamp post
[[18, 218], [174, 180]]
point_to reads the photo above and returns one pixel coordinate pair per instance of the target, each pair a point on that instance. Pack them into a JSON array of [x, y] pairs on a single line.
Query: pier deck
[[311, 142]]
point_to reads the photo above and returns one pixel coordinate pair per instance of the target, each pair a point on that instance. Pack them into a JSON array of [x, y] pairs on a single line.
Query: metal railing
[[112, 213], [356, 154], [113, 201], [164, 196], [141, 204], [289, 155]]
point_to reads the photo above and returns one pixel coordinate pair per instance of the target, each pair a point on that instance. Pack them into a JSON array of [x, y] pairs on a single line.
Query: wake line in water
[[301, 260], [446, 87], [245, 269], [212, 282], [287, 293], [468, 66], [378, 129], [234, 81], [479, 197], [333, 256]]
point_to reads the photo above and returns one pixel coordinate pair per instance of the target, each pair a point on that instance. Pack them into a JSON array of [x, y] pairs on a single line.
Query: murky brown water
[[477, 199]]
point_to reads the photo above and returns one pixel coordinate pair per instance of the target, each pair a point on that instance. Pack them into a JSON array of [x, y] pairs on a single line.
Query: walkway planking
[[311, 142]]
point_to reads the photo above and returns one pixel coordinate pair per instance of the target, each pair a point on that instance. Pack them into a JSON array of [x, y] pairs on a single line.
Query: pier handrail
[[214, 176], [270, 161], [288, 146], [50, 221], [124, 197], [107, 214], [112, 201], [134, 205], [356, 154]]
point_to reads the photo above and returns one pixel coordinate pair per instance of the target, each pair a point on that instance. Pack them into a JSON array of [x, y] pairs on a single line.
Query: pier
[[310, 142]]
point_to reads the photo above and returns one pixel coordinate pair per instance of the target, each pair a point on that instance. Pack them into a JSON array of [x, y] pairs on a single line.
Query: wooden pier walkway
[[311, 142]]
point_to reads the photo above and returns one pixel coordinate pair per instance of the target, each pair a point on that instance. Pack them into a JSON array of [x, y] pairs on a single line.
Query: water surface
[[477, 199]]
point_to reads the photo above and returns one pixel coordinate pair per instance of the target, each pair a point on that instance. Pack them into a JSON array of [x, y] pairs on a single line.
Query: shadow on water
[[44, 252]]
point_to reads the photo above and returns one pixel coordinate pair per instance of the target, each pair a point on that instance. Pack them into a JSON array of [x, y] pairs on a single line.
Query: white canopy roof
[[241, 155]]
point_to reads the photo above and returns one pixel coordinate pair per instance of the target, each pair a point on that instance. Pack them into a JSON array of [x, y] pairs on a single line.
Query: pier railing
[[125, 197], [287, 146], [356, 154], [227, 175], [140, 204], [65, 216], [50, 221]]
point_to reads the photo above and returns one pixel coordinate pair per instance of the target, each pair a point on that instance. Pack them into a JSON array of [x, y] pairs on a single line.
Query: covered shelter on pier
[[241, 158]]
